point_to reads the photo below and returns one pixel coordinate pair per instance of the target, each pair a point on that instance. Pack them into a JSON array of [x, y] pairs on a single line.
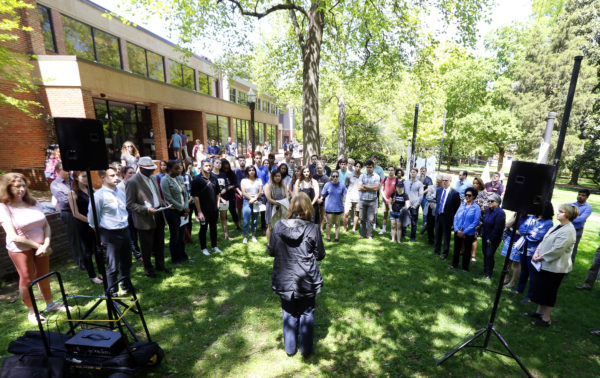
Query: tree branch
[[297, 27], [287, 5]]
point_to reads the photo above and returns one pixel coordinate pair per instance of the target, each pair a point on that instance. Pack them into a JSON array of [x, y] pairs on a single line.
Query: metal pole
[[545, 146], [414, 137], [565, 120], [442, 142], [251, 105]]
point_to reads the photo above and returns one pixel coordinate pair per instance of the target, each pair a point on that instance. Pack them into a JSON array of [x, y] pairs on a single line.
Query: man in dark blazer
[[448, 201], [143, 199]]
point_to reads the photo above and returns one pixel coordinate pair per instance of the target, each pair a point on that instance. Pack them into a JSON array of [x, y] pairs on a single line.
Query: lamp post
[[251, 105]]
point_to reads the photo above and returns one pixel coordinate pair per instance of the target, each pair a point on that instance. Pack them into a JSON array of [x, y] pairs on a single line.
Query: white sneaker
[[254, 239], [58, 307], [33, 320], [374, 227], [382, 231], [205, 252], [216, 249], [245, 241]]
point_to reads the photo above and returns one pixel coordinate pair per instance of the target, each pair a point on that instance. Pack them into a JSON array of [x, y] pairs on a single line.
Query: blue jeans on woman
[[527, 272], [249, 215], [298, 321]]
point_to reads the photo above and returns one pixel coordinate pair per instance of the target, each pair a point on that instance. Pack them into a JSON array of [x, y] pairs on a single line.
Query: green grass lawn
[[384, 310]]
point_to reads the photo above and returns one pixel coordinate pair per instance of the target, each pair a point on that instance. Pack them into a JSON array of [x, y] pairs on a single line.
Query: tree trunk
[[500, 158], [575, 175], [450, 145], [311, 56], [341, 150]]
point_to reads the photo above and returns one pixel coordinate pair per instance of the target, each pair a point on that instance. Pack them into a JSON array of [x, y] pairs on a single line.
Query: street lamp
[[251, 105]]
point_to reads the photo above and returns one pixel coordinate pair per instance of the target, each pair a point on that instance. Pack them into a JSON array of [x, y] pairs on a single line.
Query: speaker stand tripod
[[489, 328]]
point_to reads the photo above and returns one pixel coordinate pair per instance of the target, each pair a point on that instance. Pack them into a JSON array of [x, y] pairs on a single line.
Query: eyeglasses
[[335, 176], [468, 195]]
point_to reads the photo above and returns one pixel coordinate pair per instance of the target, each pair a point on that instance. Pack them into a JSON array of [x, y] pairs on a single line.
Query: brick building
[[137, 83]]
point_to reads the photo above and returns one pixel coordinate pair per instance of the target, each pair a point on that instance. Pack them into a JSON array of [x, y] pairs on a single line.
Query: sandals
[[541, 323]]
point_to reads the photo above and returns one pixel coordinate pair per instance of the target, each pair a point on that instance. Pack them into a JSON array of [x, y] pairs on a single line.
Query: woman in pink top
[[27, 238]]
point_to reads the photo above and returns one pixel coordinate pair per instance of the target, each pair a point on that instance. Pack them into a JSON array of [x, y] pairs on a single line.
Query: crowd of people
[[296, 204]]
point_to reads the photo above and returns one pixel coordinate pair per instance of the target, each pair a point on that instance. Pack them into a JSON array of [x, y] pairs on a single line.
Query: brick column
[[88, 104], [204, 131], [157, 113], [59, 34], [35, 40], [124, 56]]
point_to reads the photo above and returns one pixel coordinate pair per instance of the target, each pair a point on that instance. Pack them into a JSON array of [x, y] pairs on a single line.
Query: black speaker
[[81, 143], [528, 187]]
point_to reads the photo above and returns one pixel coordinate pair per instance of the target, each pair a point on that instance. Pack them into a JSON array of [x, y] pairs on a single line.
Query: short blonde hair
[[301, 206], [571, 211]]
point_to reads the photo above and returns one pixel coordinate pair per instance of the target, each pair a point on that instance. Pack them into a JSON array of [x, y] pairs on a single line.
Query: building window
[[175, 70], [241, 135], [137, 59], [232, 96], [122, 122], [78, 38], [204, 84], [156, 66], [189, 81], [272, 135], [182, 75], [259, 133], [107, 49], [47, 28], [217, 128], [90, 43], [242, 98]]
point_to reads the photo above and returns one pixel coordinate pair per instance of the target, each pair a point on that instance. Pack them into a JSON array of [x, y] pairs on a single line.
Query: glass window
[[232, 96], [137, 59], [204, 84], [46, 21], [188, 78], [156, 67], [123, 122], [107, 49], [242, 98], [223, 130], [175, 71], [78, 38], [241, 135], [212, 127]]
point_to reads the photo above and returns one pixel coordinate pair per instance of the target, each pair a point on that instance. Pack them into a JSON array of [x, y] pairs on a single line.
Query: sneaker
[[245, 241], [58, 307], [217, 250], [32, 319], [205, 252], [486, 279], [382, 231], [254, 239]]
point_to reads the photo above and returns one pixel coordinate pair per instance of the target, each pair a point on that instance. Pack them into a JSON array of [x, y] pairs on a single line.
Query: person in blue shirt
[[462, 184], [111, 207], [262, 172], [491, 234], [213, 151], [466, 220], [334, 193], [515, 253], [585, 209], [175, 144], [533, 230]]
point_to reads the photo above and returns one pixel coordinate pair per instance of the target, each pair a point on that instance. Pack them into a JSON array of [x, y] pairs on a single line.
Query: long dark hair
[[287, 170], [226, 167]]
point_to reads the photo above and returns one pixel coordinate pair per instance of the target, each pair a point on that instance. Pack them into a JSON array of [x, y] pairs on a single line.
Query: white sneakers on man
[[382, 230], [205, 252], [217, 250], [245, 241], [254, 239]]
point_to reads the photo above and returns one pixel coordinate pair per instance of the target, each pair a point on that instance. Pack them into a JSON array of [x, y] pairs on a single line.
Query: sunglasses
[[468, 195], [335, 176]]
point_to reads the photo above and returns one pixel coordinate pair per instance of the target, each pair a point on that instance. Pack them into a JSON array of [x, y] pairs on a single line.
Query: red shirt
[[389, 185]]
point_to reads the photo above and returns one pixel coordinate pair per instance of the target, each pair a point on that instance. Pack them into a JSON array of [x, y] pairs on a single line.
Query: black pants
[[118, 256], [442, 230], [463, 244], [133, 235], [69, 222], [430, 226], [87, 241], [233, 211], [153, 242], [176, 237], [414, 220], [210, 220], [488, 257]]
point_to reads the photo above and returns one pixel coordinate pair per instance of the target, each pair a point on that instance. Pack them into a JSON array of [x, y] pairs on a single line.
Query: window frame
[[51, 24]]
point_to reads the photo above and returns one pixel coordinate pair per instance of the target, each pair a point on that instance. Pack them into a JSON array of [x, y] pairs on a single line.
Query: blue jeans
[[414, 219], [298, 320], [425, 208], [527, 272], [249, 215]]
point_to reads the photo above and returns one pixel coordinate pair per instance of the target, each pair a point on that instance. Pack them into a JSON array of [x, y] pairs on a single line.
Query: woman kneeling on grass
[[554, 253], [297, 245]]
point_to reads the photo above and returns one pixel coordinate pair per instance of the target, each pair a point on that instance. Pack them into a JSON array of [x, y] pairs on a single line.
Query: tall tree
[[310, 21]]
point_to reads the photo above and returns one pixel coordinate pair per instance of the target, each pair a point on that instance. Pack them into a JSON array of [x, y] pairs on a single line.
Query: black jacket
[[297, 245], [452, 202], [493, 225]]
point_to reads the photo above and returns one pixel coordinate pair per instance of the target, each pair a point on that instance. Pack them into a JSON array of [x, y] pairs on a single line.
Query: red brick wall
[[66, 102], [157, 113]]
